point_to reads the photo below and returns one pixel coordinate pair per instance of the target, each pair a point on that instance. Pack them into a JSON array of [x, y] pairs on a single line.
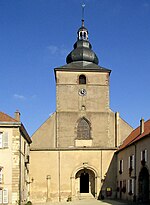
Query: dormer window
[[82, 79]]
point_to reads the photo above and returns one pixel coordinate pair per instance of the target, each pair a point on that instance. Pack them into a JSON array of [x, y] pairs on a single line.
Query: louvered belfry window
[[82, 79], [83, 129]]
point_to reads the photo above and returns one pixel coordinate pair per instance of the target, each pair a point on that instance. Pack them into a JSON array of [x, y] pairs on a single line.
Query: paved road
[[95, 202], [86, 202]]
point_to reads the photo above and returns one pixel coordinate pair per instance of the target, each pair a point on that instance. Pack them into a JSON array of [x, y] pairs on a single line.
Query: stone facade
[[14, 155], [73, 151]]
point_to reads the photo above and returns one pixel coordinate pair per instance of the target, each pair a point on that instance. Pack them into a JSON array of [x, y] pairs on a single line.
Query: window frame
[[84, 134], [1, 175], [120, 166], [82, 79], [3, 140]]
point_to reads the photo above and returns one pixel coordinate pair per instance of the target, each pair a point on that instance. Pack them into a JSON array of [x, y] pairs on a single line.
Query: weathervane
[[83, 5]]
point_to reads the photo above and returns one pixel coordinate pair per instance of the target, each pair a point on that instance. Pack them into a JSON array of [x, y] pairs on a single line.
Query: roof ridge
[[6, 118], [135, 135]]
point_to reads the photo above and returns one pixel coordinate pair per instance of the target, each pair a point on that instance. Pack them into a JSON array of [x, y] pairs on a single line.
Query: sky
[[37, 35]]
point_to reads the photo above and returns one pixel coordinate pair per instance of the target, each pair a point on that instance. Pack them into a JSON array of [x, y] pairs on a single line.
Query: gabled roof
[[6, 118], [136, 135]]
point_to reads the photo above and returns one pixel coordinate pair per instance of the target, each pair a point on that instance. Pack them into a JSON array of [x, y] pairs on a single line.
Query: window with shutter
[[121, 166], [1, 175], [1, 196], [1, 139], [128, 185], [5, 139], [132, 188], [5, 196], [146, 155], [133, 161]]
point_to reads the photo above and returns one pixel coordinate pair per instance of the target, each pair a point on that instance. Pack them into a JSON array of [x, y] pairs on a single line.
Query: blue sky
[[37, 35]]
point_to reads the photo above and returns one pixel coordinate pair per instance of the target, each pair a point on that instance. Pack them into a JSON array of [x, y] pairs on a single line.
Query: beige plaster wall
[[62, 167], [10, 161], [45, 136], [6, 163]]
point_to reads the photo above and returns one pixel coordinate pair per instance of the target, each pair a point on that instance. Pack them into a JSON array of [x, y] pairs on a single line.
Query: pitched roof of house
[[136, 135], [6, 118]]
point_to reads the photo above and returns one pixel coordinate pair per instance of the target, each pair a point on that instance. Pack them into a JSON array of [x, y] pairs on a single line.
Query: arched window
[[83, 129], [81, 34], [82, 79]]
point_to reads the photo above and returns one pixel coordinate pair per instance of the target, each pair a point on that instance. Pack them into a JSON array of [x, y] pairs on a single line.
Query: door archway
[[86, 179], [144, 185], [84, 182]]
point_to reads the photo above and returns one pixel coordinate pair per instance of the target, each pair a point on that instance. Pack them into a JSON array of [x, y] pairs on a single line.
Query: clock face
[[82, 92]]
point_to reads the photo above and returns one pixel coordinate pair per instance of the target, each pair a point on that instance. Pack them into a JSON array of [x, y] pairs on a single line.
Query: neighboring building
[[14, 160], [73, 150], [133, 159]]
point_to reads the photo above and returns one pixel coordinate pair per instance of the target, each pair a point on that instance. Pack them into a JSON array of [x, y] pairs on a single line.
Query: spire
[[82, 48], [83, 6], [82, 32]]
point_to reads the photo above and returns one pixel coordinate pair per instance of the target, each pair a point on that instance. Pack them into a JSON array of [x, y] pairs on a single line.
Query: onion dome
[[82, 48]]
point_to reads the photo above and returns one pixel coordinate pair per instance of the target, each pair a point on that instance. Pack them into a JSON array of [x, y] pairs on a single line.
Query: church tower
[[82, 90], [72, 152]]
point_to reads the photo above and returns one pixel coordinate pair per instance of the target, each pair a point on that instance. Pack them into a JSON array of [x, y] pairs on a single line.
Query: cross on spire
[[83, 6]]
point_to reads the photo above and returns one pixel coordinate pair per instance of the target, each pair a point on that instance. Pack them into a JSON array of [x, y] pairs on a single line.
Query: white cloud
[[53, 49], [22, 97], [58, 50], [19, 97]]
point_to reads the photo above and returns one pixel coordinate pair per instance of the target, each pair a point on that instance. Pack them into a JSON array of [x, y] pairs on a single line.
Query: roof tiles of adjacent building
[[9, 121], [6, 118], [136, 135]]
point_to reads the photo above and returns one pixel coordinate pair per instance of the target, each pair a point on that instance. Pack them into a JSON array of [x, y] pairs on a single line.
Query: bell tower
[[82, 96]]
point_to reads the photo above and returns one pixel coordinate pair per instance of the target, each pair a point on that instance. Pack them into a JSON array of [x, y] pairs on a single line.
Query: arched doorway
[[144, 185], [86, 181]]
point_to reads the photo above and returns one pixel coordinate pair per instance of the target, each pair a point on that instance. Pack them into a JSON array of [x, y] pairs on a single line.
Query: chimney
[[17, 115], [141, 125]]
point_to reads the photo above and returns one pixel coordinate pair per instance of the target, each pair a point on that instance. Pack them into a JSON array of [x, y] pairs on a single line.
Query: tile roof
[[136, 135], [6, 118], [83, 65]]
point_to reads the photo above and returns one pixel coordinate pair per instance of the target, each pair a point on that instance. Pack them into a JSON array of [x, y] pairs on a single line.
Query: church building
[[72, 152]]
